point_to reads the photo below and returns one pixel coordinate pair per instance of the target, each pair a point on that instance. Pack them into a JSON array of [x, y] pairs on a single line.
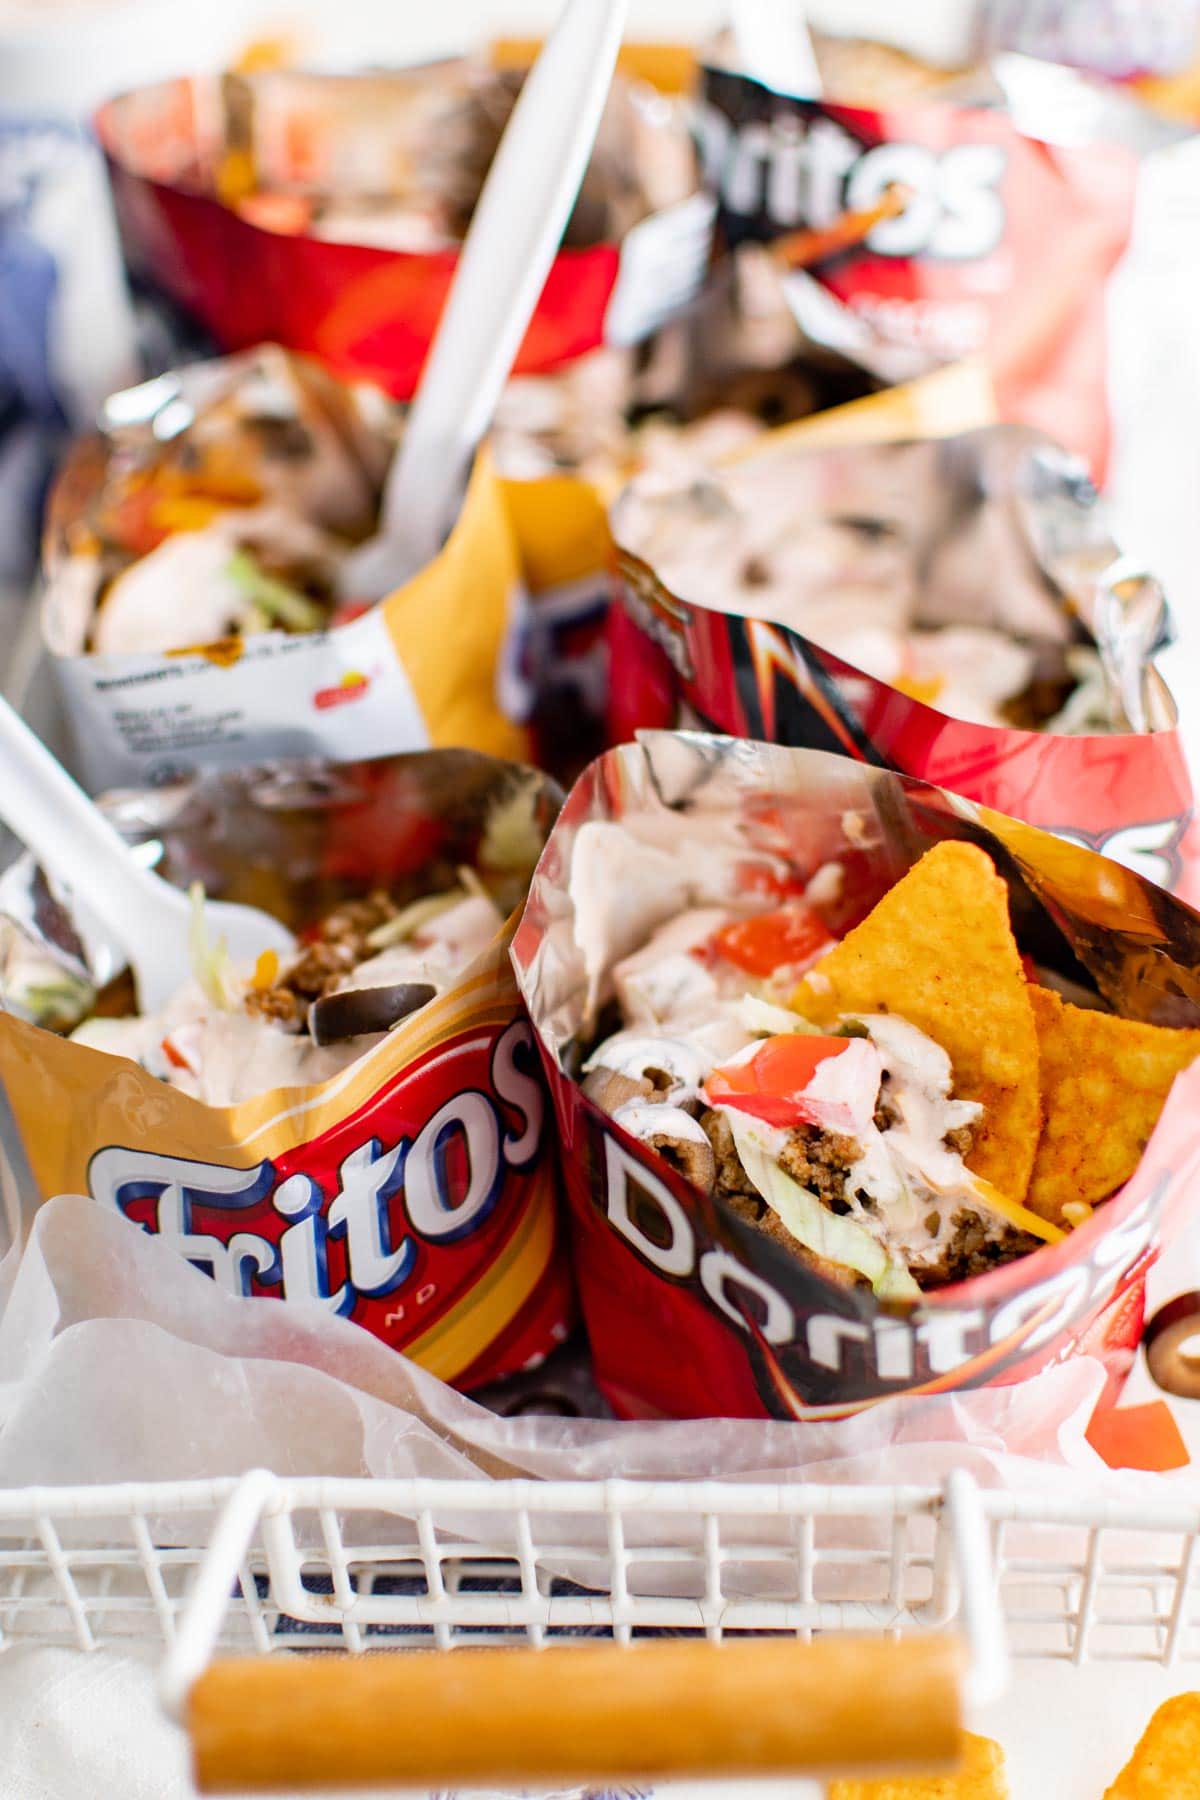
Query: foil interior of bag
[[688, 819], [998, 530], [250, 476], [712, 813], [732, 365], [295, 839]]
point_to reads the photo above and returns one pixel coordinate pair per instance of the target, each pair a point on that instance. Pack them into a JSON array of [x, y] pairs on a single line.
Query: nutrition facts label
[[342, 694]]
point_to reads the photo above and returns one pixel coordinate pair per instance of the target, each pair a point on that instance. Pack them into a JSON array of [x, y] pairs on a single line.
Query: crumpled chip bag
[[414, 1192], [342, 200], [965, 218], [904, 578], [225, 496], [575, 635], [1062, 987]]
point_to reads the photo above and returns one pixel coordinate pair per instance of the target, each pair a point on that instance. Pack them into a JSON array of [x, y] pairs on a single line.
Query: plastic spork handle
[[514, 235], [43, 806]]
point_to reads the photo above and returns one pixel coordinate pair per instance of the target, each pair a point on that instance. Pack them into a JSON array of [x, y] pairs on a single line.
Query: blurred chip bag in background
[[66, 324]]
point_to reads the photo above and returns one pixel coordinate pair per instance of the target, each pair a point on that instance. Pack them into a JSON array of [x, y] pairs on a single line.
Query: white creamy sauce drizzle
[[230, 1055], [757, 541], [643, 1119], [634, 1054], [908, 1170], [686, 1017]]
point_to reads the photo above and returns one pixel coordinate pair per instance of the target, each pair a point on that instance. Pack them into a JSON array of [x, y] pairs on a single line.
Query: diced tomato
[[346, 611], [1138, 1437], [774, 940], [769, 881], [771, 1085], [132, 524], [173, 1056]]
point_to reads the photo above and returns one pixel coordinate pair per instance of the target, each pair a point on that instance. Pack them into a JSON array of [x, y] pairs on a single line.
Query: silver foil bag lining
[[698, 816], [999, 527], [295, 838]]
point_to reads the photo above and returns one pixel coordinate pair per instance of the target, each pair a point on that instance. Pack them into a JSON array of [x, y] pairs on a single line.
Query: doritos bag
[[913, 234], [786, 1005], [953, 608]]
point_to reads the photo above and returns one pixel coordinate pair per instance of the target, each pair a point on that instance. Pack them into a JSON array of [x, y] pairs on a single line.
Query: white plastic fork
[[774, 46], [506, 257], [76, 844]]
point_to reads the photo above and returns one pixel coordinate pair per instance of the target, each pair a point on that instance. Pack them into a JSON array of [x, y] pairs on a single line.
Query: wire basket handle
[[585, 1711], [748, 1707]]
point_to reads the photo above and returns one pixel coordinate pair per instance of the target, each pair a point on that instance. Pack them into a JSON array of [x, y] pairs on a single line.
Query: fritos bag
[[927, 231], [980, 525], [414, 1193], [690, 1311], [431, 664]]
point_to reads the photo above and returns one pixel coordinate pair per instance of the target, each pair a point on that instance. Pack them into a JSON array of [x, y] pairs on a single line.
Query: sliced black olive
[[361, 1012]]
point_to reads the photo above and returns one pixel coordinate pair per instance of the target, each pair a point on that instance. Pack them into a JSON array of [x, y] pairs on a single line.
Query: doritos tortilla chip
[[1166, 1763], [939, 951], [846, 1139], [981, 1777], [1104, 1082]]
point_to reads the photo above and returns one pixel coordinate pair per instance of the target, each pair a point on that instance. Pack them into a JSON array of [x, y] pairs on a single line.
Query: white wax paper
[[120, 1362]]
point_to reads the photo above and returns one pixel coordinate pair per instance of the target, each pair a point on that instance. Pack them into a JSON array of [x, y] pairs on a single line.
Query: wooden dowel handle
[[577, 1713]]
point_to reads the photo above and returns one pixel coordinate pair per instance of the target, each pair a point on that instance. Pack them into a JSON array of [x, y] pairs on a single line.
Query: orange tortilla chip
[[939, 951], [1166, 1763], [1104, 1083], [981, 1777]]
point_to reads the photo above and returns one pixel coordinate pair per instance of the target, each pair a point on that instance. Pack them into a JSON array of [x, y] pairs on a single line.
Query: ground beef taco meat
[[845, 1143]]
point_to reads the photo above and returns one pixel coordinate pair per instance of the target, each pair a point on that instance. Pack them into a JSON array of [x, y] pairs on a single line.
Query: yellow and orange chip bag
[[981, 1777], [1166, 1763], [938, 950], [1104, 1082]]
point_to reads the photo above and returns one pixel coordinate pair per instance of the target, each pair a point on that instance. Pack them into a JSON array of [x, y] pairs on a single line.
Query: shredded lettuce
[[211, 963], [279, 603], [410, 919], [512, 838], [471, 882], [54, 1004], [760, 1016], [832, 1236]]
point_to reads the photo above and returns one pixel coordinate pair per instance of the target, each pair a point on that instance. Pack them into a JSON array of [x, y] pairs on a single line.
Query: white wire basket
[[361, 1564], [259, 1564]]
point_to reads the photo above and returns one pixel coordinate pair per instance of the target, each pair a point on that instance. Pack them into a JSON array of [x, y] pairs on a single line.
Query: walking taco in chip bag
[[361, 1124], [342, 200], [863, 1090], [917, 222], [192, 561], [952, 608]]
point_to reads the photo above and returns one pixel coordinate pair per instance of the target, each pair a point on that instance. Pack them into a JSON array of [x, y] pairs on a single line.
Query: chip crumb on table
[[1166, 1763]]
